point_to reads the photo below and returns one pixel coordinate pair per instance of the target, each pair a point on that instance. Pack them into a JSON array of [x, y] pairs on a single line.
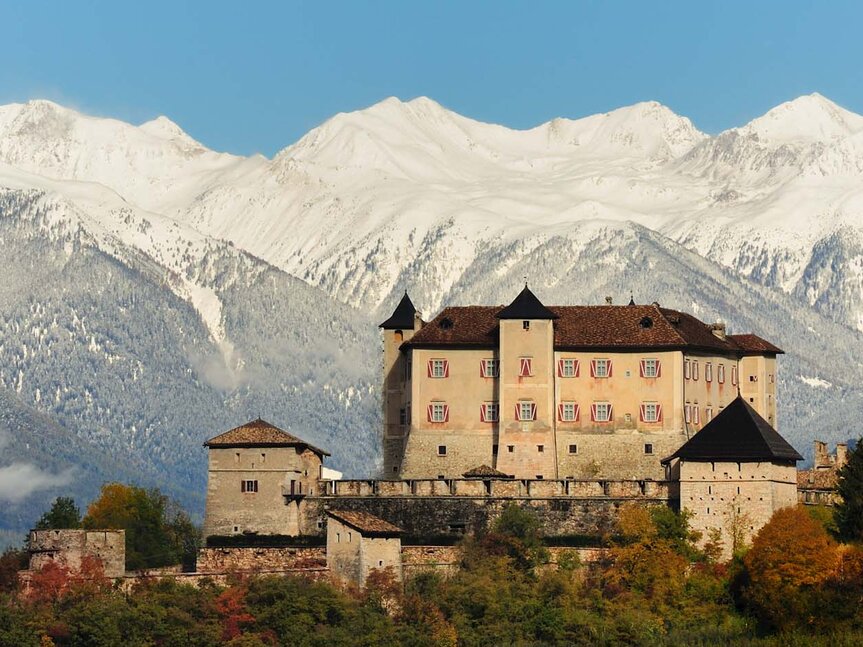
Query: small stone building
[[358, 543], [68, 548], [734, 474], [818, 486], [258, 476]]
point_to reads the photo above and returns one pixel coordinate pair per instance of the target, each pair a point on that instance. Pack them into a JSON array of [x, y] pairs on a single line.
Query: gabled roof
[[750, 344], [484, 471], [526, 306], [365, 523], [738, 433], [260, 433], [402, 317]]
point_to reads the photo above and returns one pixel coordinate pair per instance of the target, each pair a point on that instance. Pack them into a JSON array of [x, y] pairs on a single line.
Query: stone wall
[[69, 547], [231, 559]]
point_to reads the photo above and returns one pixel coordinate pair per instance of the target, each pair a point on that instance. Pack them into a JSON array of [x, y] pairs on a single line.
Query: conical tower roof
[[738, 433], [526, 306], [403, 315]]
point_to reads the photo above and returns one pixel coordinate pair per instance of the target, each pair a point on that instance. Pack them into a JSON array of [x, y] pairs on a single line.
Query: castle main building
[[559, 392]]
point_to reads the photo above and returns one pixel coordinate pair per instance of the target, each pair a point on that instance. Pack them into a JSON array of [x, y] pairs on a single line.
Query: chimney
[[608, 301], [822, 457], [841, 455], [718, 329]]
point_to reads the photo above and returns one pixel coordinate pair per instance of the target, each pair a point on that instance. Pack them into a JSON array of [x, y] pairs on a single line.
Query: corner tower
[[402, 325], [526, 444]]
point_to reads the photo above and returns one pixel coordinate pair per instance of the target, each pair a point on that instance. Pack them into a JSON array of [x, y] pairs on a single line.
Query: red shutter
[[517, 411], [593, 368], [446, 413], [641, 368], [482, 368], [429, 409], [610, 412], [577, 413], [593, 413], [533, 411], [482, 413], [525, 368], [430, 369], [658, 413], [658, 368], [577, 367], [608, 363], [641, 413], [446, 368], [560, 368], [560, 412]]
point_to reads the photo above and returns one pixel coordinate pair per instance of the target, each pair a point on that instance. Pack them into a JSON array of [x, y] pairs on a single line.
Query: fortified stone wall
[[232, 559], [69, 547]]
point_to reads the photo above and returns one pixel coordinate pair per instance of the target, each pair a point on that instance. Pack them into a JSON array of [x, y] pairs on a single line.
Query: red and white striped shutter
[[641, 368], [446, 413], [533, 411], [560, 368], [610, 412], [446, 368], [577, 412], [641, 413], [658, 368], [560, 412], [658, 413], [430, 367], [608, 365], [517, 411], [429, 411], [577, 367], [482, 368], [482, 413], [593, 413], [593, 368]]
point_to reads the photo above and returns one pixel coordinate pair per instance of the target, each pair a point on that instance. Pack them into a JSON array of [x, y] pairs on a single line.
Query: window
[[648, 448], [601, 412], [489, 412], [525, 410], [237, 457], [263, 458], [753, 378], [525, 366], [573, 449], [708, 371], [525, 325], [687, 369], [651, 412], [734, 375], [540, 448], [649, 368], [568, 411], [720, 373], [708, 414], [438, 368], [687, 412], [696, 414], [600, 368], [695, 370], [489, 368], [248, 486], [568, 367], [510, 448], [438, 412], [403, 416], [441, 450]]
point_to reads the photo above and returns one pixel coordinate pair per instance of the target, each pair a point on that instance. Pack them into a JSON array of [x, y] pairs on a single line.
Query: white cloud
[[20, 480]]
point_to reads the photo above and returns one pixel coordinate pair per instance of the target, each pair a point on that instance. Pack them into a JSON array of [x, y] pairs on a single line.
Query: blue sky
[[254, 76]]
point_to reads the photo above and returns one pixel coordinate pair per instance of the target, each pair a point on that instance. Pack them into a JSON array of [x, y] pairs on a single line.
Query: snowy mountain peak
[[164, 128], [804, 120]]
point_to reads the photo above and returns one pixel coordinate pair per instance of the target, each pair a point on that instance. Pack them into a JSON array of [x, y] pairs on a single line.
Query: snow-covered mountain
[[187, 260]]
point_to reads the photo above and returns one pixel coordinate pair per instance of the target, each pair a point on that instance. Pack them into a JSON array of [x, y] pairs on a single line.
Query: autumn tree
[[849, 513], [63, 514]]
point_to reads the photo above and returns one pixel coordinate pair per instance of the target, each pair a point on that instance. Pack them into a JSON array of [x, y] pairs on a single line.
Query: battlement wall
[[69, 547]]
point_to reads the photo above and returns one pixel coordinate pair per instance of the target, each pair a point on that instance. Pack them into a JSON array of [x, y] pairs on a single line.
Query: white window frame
[[525, 362], [651, 411], [604, 363], [708, 371], [438, 412], [720, 373], [491, 367], [651, 367], [569, 411], [529, 407], [568, 367], [606, 409], [438, 368], [687, 369], [491, 411]]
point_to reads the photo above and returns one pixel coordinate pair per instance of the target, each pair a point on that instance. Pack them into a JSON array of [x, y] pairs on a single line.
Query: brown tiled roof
[[368, 524], [817, 479], [587, 327], [750, 343], [260, 433], [484, 471]]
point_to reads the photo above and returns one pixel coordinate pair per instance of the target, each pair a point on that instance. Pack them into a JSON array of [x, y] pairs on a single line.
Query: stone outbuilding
[[358, 543], [734, 474], [258, 476], [69, 548]]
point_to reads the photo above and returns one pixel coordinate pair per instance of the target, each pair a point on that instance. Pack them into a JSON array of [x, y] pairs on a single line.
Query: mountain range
[[155, 292]]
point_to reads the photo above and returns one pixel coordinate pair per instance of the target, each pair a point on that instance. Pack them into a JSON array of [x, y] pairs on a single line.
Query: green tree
[[63, 514], [849, 513]]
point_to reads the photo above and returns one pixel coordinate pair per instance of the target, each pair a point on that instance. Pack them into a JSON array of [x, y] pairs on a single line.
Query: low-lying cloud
[[20, 480]]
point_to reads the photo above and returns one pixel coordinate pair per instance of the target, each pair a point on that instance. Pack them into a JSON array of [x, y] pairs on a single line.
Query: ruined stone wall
[[232, 559], [69, 547]]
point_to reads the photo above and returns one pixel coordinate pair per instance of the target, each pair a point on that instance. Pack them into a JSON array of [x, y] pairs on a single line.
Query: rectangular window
[[438, 412], [687, 412], [696, 414], [568, 367], [708, 371], [695, 370], [600, 368], [651, 412], [720, 373], [568, 411], [525, 410], [540, 448], [489, 412], [441, 450], [649, 367], [753, 378], [687, 369], [489, 368], [573, 449], [525, 366], [525, 325], [734, 375], [601, 412], [510, 448], [248, 486], [708, 414], [403, 416], [648, 448], [438, 368]]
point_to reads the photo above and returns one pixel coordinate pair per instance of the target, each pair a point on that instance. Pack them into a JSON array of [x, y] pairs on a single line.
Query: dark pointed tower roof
[[738, 433], [403, 315], [526, 306]]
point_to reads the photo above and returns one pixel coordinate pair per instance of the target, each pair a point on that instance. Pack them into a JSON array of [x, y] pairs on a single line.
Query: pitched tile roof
[[484, 471], [368, 524], [526, 306], [588, 327], [402, 316], [738, 433], [750, 343], [260, 433]]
